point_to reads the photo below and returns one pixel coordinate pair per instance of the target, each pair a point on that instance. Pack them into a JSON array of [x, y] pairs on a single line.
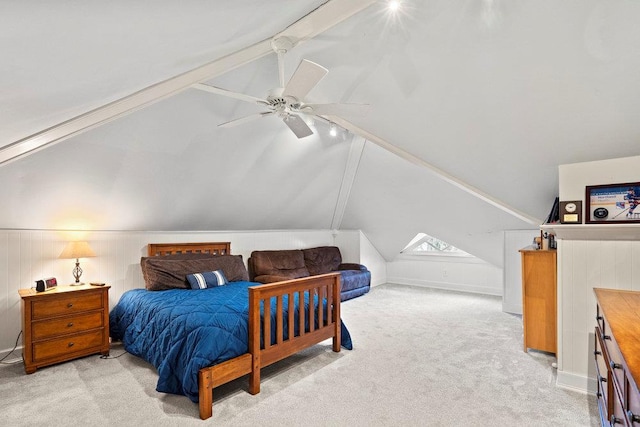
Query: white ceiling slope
[[68, 58], [493, 93]]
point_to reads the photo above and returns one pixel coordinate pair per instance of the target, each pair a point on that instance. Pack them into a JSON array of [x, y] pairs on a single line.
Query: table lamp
[[77, 250]]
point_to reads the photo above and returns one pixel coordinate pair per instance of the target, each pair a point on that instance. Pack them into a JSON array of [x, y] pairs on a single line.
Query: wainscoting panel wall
[[514, 240], [582, 266], [26, 256]]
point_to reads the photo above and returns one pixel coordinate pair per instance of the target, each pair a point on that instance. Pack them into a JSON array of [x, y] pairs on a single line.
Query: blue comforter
[[181, 331]]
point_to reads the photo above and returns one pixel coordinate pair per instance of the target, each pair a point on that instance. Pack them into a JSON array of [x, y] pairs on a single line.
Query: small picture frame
[[613, 203], [571, 212]]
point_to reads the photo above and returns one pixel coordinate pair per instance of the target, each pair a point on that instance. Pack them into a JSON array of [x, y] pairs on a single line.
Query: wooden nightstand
[[64, 323]]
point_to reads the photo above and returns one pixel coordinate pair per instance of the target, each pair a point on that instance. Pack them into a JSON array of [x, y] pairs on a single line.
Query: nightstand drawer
[[67, 305], [71, 344], [66, 325]]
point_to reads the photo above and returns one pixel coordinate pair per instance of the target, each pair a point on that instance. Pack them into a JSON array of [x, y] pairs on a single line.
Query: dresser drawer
[[67, 325], [615, 361], [67, 345], [618, 417], [602, 358], [633, 406], [67, 305]]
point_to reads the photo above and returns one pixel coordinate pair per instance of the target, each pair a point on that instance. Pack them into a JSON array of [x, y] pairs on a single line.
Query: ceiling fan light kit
[[288, 101]]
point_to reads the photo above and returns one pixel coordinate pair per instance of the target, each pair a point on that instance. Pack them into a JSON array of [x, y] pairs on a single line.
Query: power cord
[[8, 354], [114, 357]]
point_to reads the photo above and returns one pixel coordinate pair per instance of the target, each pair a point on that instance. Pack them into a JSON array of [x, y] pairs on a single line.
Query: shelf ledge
[[594, 231]]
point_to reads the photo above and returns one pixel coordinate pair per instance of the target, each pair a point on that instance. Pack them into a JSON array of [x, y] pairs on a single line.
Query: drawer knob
[[615, 420], [69, 305], [633, 417], [606, 337], [70, 324], [599, 317], [615, 365], [70, 344], [602, 379], [597, 353]]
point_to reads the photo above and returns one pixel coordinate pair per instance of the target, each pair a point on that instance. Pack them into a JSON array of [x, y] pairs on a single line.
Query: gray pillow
[[163, 273]]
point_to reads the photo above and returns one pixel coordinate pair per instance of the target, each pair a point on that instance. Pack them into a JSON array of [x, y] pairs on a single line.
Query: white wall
[[26, 256], [468, 274], [585, 264], [514, 240]]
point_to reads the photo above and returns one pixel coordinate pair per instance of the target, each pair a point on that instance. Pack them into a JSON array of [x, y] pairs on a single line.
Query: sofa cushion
[[267, 278], [288, 264], [352, 279], [321, 260]]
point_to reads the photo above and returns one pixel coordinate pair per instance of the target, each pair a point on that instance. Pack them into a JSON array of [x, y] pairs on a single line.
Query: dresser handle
[[70, 344], [599, 318], [633, 417], [615, 420], [615, 365], [69, 305], [602, 379], [606, 337], [70, 324], [598, 395], [597, 353]]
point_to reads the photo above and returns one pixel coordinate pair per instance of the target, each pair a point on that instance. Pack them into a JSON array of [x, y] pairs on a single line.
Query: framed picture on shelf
[[613, 203]]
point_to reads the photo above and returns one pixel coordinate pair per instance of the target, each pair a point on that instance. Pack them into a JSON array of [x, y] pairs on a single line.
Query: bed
[[198, 340]]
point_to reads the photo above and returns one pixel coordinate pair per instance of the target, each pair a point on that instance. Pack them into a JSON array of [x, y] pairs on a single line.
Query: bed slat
[[279, 322]]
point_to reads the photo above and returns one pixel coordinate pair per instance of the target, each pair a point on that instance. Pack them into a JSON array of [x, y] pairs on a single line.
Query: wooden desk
[[617, 355]]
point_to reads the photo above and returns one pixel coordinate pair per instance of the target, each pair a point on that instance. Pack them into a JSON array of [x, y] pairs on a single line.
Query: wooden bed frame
[[325, 286]]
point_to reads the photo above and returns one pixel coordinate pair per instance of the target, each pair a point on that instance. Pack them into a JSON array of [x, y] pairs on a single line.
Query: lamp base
[[77, 284]]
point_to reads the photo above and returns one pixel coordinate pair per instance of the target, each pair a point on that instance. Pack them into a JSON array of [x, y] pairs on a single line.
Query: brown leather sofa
[[275, 266]]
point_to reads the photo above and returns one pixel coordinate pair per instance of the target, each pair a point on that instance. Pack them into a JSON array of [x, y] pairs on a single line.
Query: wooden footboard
[[319, 326], [325, 286]]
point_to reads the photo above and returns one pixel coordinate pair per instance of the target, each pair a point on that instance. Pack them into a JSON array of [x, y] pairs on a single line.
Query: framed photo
[[613, 203]]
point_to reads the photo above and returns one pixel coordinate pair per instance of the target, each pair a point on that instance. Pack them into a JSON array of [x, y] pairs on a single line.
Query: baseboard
[[462, 287], [576, 382], [14, 358], [512, 308]]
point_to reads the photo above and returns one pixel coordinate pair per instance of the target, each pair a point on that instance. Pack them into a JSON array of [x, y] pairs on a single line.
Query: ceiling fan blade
[[307, 75], [230, 94], [297, 125], [349, 110], [236, 122]]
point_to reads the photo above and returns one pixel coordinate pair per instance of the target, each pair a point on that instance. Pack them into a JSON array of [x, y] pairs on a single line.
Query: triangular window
[[423, 244]]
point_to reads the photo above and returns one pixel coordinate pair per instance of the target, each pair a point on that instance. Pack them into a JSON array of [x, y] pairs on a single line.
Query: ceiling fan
[[288, 101]]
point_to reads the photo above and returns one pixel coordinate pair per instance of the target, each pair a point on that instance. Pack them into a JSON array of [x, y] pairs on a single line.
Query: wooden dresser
[[617, 354], [64, 323], [539, 299]]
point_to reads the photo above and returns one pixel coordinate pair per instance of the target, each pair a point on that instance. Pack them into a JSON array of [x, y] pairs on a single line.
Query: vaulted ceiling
[[474, 104]]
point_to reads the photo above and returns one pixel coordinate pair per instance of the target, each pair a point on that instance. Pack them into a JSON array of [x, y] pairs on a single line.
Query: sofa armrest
[[352, 266], [267, 278]]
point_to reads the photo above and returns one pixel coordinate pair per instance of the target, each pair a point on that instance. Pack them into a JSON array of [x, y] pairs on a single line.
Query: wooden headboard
[[214, 248]]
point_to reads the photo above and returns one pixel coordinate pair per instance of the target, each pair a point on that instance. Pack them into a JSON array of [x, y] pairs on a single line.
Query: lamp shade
[[77, 250]]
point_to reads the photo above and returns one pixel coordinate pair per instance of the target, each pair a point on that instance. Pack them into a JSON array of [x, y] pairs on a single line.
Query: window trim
[[409, 250]]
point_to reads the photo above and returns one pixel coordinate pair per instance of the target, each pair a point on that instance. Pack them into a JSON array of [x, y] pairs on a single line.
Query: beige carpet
[[422, 357]]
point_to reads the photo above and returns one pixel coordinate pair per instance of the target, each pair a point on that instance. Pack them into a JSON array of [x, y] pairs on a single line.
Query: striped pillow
[[210, 279]]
